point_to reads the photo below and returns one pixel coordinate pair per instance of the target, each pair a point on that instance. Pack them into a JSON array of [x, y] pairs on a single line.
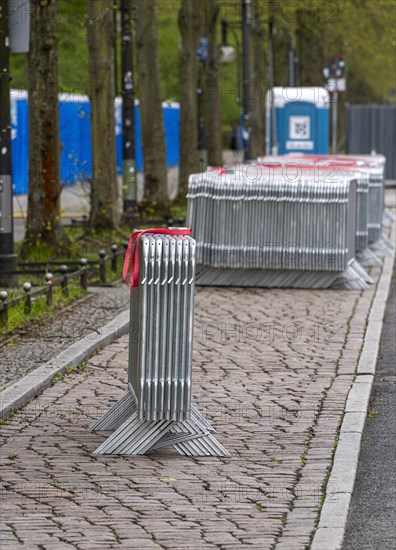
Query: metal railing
[[83, 270], [372, 128]]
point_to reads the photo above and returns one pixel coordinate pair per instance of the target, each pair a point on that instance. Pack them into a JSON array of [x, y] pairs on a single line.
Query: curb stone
[[24, 390], [330, 531]]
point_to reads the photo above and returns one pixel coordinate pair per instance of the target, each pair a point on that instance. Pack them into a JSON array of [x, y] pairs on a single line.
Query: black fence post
[[27, 287], [102, 266], [4, 308], [50, 289], [83, 276], [64, 281], [114, 258]]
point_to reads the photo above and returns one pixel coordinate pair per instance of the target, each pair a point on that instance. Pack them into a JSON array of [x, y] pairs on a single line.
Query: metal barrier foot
[[351, 278], [119, 412], [368, 258], [382, 247], [133, 436]]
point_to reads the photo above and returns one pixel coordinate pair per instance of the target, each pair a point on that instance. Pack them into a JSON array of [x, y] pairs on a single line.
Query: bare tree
[[151, 114], [44, 215], [189, 25], [104, 194], [258, 88], [212, 85]]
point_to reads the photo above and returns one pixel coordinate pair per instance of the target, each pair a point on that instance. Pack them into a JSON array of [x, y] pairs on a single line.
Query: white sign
[[299, 127], [19, 22], [336, 85], [300, 145], [227, 54]]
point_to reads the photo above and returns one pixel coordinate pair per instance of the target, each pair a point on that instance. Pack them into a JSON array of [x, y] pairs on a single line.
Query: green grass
[[84, 243], [19, 318], [70, 370]]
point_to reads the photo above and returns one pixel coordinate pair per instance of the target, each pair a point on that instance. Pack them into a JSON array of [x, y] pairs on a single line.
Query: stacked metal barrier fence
[[291, 166], [374, 167], [255, 228], [157, 410]]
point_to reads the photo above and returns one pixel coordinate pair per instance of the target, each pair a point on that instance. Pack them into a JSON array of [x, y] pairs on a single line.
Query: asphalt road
[[372, 517]]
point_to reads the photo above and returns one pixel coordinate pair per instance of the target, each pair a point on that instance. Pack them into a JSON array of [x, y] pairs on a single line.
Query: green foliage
[[362, 31]]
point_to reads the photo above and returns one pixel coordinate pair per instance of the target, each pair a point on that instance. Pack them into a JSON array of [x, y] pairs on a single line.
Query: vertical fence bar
[[28, 299], [102, 266], [64, 281], [4, 308], [50, 289], [84, 274], [114, 258]]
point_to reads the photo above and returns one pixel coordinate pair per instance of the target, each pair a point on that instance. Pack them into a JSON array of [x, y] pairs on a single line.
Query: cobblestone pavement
[[272, 369], [32, 346]]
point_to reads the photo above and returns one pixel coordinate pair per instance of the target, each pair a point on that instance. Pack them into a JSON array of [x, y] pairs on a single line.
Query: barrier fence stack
[[254, 227], [157, 410], [371, 166], [292, 166]]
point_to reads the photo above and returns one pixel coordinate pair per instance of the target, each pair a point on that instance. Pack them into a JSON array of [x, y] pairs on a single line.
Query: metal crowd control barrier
[[289, 163], [253, 227], [157, 411], [374, 166]]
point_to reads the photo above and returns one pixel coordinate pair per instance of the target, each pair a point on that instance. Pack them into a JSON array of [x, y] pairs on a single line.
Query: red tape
[[131, 262]]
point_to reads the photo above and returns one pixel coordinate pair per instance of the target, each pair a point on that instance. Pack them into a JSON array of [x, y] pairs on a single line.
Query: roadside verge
[[24, 390]]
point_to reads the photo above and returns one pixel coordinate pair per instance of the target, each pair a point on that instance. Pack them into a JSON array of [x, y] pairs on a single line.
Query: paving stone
[[275, 402]]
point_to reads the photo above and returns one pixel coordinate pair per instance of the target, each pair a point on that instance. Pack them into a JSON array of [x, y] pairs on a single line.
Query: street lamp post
[[334, 74], [128, 114], [7, 256], [246, 80], [202, 54], [271, 68], [225, 27], [292, 73]]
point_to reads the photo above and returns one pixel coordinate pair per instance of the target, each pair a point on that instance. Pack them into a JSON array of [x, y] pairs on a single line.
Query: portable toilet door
[[301, 120]]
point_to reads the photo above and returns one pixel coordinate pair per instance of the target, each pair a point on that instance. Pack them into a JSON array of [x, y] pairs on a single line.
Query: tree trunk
[[44, 215], [259, 83], [189, 25], [104, 193], [212, 86], [310, 36], [151, 114]]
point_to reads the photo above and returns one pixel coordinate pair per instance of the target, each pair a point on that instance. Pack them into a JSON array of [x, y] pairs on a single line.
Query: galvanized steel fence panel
[[256, 228], [157, 411], [372, 128]]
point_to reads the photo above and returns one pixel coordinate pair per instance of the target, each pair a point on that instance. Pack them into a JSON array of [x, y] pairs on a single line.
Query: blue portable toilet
[[75, 137], [301, 120]]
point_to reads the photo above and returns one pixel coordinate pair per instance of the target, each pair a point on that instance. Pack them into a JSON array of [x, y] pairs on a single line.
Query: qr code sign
[[299, 127]]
